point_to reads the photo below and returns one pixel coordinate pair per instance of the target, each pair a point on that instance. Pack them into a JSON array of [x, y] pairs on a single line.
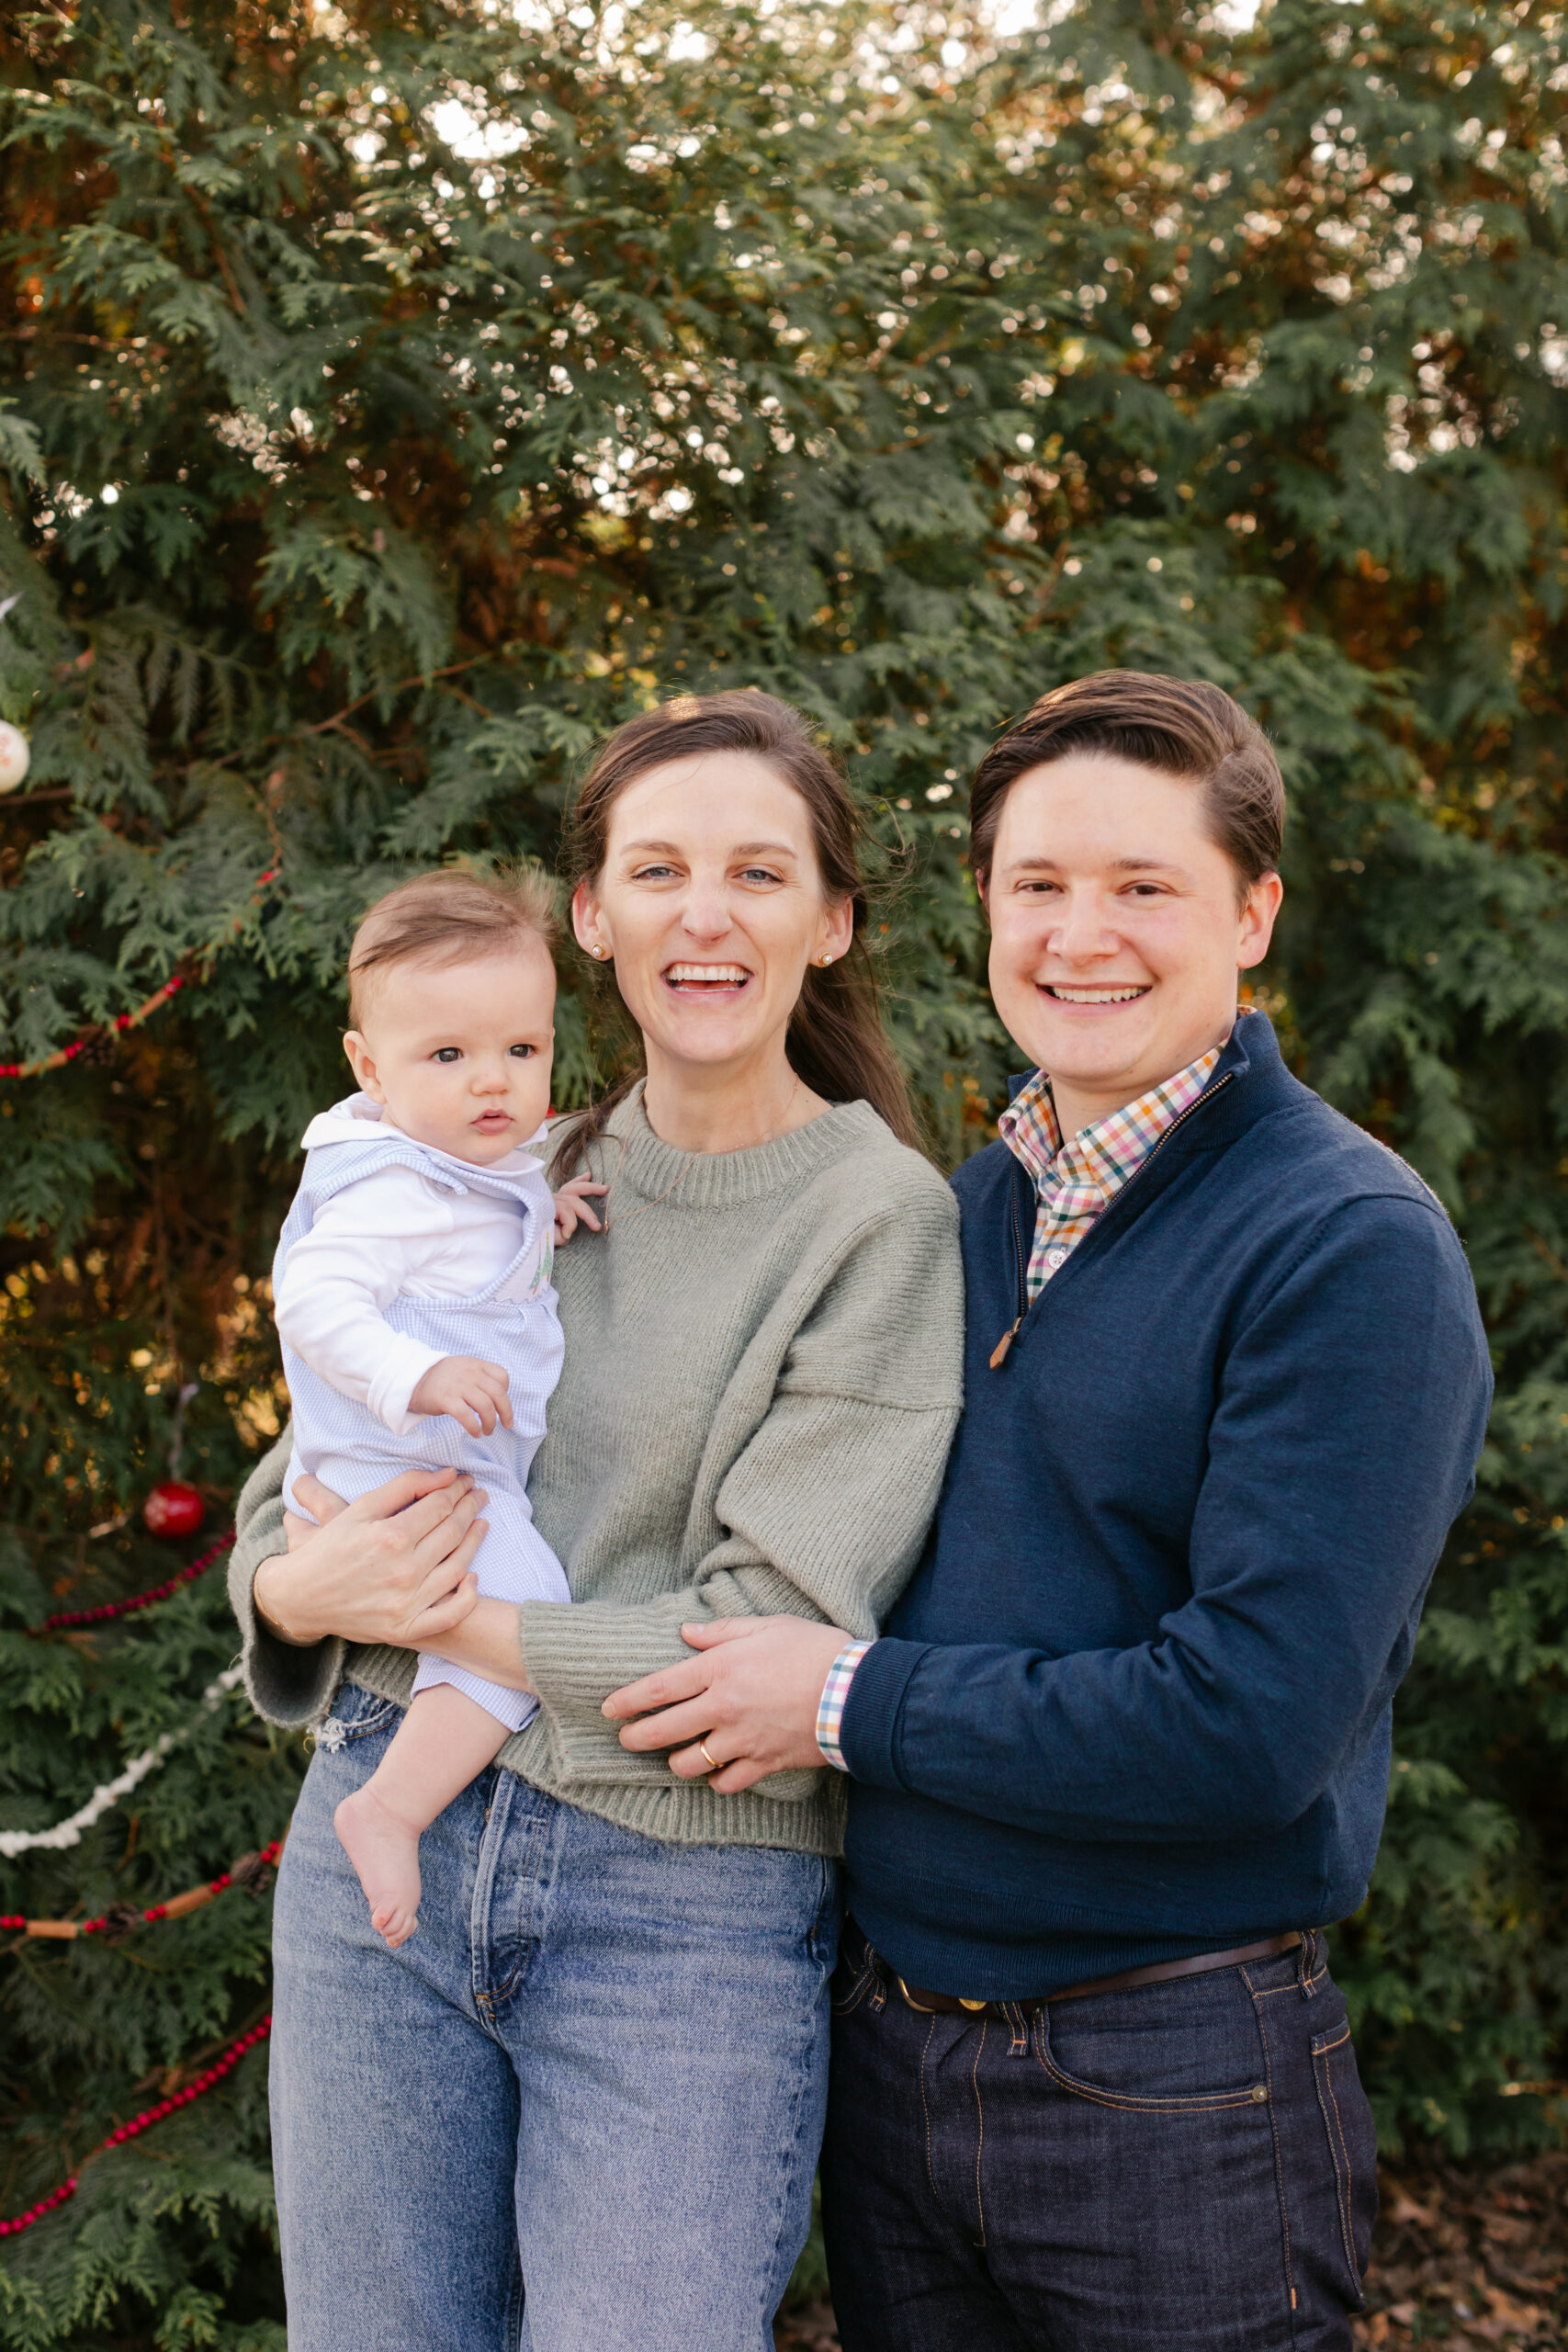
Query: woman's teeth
[[1094, 996], [728, 975]]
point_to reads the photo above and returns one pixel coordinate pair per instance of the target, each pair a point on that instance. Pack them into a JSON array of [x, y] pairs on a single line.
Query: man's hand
[[572, 1209], [472, 1391], [751, 1694]]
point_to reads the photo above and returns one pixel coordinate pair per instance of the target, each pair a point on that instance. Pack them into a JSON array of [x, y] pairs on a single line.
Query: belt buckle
[[924, 2009]]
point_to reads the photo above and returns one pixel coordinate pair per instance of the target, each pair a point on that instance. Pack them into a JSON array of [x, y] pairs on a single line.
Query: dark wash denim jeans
[[1185, 2167]]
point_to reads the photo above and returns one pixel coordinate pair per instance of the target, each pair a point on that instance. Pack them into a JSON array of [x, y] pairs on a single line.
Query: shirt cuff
[[404, 1366], [835, 1697]]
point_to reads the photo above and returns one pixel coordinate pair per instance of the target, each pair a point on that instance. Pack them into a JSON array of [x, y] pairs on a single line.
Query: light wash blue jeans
[[577, 2112]]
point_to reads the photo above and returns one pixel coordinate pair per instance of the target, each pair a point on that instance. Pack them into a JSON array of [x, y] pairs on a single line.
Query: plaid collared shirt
[[1077, 1180], [831, 1708]]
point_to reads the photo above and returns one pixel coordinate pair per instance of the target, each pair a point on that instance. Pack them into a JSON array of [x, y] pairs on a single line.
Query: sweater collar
[[649, 1170]]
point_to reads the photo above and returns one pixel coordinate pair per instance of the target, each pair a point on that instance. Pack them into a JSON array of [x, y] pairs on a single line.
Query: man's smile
[[1109, 992]]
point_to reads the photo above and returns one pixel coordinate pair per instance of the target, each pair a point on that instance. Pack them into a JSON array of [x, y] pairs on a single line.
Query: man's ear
[[362, 1063], [1258, 917]]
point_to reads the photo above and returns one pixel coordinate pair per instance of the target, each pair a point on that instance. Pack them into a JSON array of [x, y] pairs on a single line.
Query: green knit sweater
[[763, 1372]]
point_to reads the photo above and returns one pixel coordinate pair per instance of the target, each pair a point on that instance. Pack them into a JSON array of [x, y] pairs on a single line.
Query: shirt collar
[[1104, 1154]]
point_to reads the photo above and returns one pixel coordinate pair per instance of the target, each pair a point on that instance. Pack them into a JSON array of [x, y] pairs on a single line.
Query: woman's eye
[[524, 1053], [446, 1054], [654, 874], [758, 873]]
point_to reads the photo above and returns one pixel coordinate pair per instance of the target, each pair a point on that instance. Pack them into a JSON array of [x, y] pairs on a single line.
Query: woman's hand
[[394, 1566], [751, 1695]]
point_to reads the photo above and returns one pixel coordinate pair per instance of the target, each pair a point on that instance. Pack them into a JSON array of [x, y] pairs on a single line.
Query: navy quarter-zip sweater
[[1136, 1701]]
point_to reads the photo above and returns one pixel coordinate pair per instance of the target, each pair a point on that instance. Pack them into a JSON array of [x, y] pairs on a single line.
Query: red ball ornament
[[173, 1510]]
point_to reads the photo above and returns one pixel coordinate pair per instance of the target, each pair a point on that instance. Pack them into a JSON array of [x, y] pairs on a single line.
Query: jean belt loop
[[1020, 2024], [1306, 1962]]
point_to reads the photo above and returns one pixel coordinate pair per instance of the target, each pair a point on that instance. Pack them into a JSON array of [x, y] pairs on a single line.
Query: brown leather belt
[[1160, 1973]]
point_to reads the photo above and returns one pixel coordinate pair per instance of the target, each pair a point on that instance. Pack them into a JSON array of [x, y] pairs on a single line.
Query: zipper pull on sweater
[[999, 1352]]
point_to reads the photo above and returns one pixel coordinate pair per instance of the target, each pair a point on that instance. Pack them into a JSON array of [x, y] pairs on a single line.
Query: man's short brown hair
[[1183, 727], [446, 918]]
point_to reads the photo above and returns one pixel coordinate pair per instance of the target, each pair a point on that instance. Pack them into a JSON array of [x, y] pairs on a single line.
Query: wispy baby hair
[[448, 917]]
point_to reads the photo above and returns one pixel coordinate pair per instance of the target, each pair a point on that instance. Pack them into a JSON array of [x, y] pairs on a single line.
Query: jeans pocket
[[1188, 2047], [1175, 2103], [1352, 2144], [355, 1713]]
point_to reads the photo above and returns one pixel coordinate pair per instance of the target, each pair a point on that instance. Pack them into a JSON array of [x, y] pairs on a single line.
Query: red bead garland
[[123, 1020], [143, 2122], [17, 1922], [108, 1608]]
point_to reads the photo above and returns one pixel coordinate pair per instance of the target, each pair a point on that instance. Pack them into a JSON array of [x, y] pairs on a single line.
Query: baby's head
[[452, 994]]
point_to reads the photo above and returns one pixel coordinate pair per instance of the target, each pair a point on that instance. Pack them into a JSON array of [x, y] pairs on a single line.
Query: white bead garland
[[70, 1832]]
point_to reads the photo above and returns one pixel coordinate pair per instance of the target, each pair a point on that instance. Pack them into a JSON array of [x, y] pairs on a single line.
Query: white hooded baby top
[[394, 1256]]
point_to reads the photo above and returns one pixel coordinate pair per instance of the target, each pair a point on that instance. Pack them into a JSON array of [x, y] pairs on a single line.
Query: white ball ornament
[[13, 756]]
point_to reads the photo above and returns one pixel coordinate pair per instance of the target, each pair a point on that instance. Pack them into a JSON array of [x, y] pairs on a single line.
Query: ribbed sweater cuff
[[576, 1655], [576, 1652], [287, 1686], [869, 1736]]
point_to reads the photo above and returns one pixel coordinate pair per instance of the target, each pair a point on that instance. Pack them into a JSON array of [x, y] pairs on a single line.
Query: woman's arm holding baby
[[397, 1564], [393, 1567], [413, 1606]]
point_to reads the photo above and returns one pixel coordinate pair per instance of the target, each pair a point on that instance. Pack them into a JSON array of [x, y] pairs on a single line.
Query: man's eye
[[446, 1054], [524, 1053]]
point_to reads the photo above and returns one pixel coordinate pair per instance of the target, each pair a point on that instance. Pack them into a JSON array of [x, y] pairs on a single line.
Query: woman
[[598, 2070]]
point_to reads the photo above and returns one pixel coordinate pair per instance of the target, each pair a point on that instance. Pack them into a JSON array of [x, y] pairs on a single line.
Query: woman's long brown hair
[[835, 1042]]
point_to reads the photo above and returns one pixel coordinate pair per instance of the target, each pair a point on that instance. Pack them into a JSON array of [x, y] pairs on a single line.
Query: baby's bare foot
[[385, 1852]]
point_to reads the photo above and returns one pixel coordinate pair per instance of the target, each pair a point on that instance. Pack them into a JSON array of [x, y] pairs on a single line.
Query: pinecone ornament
[[97, 1045], [121, 1919]]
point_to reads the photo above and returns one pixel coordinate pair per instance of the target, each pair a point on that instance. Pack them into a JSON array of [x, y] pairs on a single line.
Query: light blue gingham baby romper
[[341, 1441]]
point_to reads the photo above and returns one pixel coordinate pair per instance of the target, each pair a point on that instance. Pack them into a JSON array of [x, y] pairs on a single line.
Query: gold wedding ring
[[711, 1761]]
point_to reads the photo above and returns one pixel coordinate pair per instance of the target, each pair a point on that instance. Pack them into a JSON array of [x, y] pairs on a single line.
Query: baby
[[412, 1292]]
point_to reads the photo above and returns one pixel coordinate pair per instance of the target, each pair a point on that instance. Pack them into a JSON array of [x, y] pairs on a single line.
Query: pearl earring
[[824, 960], [601, 951]]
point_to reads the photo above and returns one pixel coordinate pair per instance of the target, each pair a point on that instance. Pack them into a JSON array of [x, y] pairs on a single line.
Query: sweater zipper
[[999, 1352]]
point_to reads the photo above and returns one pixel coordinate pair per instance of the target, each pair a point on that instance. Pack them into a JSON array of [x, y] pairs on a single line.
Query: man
[[1124, 1746]]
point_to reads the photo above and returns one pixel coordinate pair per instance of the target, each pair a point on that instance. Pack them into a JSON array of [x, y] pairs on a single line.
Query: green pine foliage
[[395, 396]]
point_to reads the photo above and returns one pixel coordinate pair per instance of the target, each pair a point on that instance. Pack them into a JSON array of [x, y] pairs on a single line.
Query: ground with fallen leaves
[[1462, 2259]]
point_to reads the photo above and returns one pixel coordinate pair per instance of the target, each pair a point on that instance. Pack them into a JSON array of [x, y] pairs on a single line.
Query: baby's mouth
[[706, 979]]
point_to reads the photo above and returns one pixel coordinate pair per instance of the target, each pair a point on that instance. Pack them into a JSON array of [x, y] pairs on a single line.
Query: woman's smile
[[694, 979]]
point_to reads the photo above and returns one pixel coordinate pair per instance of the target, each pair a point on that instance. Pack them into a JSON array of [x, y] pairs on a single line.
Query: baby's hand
[[472, 1391], [572, 1209]]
